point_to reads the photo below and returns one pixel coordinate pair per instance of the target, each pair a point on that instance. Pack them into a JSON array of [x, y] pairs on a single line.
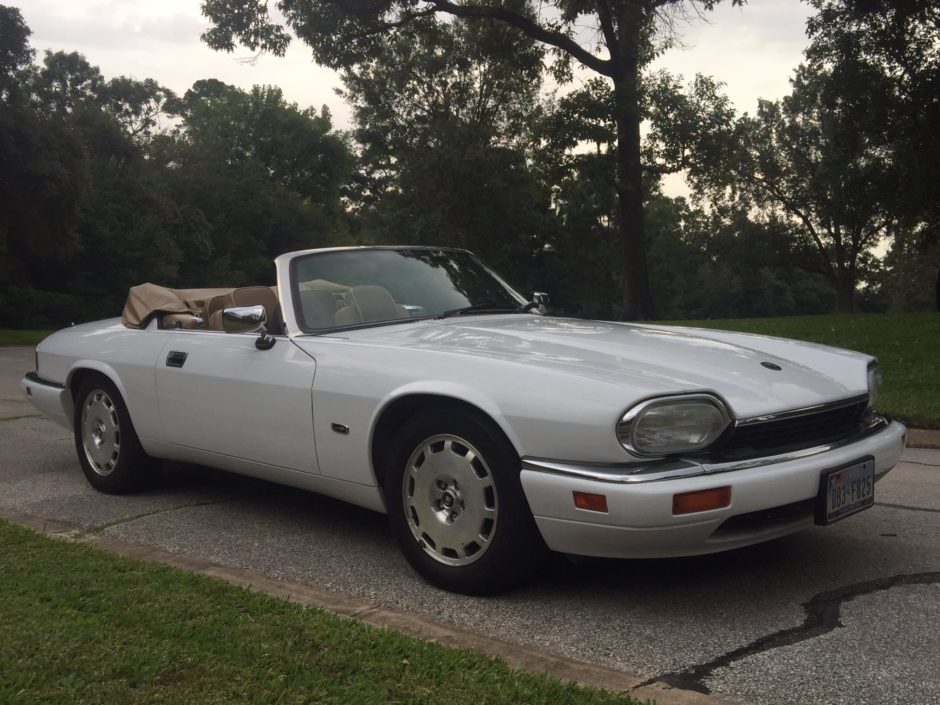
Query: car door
[[217, 392]]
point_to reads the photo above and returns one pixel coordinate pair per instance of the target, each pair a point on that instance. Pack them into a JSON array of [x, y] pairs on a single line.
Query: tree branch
[[661, 169], [529, 27], [382, 27], [605, 15], [793, 209]]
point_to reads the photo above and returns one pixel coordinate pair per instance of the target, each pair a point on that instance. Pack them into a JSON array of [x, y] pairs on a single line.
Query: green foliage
[[809, 161], [691, 129], [896, 43], [108, 183], [43, 172], [65, 81], [346, 34], [261, 177], [81, 625], [15, 51], [442, 115], [136, 105], [97, 197]]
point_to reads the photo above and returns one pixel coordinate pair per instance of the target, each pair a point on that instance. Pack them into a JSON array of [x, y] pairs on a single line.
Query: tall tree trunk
[[845, 291], [637, 302]]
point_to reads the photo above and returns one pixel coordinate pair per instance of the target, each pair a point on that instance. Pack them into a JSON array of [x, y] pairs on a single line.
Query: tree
[[15, 51], [137, 105], [692, 129], [896, 42], [344, 33], [810, 161], [254, 176], [65, 81], [442, 115]]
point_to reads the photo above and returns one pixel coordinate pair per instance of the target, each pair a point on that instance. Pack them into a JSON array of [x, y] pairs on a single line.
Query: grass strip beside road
[[22, 337], [81, 625], [906, 344]]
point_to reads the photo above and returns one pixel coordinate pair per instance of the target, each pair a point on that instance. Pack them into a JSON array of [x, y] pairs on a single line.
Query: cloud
[[753, 49], [110, 24], [160, 40]]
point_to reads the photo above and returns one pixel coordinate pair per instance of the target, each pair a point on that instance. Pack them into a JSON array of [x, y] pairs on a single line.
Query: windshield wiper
[[488, 307]]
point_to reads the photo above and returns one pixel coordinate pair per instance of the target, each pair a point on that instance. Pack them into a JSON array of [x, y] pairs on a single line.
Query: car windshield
[[368, 286]]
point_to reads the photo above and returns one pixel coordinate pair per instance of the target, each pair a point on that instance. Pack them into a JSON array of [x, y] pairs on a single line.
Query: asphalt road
[[845, 614]]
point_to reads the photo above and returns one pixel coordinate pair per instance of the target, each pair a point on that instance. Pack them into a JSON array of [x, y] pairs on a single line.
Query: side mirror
[[248, 319], [541, 298]]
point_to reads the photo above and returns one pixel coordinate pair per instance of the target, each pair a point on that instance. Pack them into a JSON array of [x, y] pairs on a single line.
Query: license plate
[[844, 491]]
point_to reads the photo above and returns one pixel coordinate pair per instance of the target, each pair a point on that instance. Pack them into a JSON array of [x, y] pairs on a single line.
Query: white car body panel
[[231, 399], [556, 387]]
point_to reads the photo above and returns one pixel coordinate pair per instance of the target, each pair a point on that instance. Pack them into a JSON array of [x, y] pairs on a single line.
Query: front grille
[[793, 432]]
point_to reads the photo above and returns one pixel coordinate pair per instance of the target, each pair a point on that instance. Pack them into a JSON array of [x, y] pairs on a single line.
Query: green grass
[[906, 344], [83, 626], [22, 337]]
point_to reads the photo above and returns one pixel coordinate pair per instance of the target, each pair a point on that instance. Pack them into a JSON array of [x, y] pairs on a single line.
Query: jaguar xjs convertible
[[414, 381]]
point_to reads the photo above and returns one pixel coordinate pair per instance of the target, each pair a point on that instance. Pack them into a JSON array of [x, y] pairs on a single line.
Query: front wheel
[[456, 504], [108, 448]]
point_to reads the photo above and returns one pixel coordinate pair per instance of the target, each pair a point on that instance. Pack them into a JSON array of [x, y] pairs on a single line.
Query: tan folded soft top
[[147, 300]]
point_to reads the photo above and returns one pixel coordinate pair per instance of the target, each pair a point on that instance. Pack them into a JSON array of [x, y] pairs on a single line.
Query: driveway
[[843, 614]]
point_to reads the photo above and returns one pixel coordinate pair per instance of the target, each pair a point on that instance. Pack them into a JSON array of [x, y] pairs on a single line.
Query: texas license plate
[[844, 491]]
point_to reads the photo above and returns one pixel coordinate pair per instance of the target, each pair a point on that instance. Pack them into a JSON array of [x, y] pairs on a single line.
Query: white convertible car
[[414, 381]]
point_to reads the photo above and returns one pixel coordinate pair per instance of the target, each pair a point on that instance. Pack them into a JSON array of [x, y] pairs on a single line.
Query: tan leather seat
[[365, 304], [214, 310], [318, 307]]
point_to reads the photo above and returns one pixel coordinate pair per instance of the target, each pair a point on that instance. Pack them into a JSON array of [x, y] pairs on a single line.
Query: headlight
[[874, 382], [668, 425]]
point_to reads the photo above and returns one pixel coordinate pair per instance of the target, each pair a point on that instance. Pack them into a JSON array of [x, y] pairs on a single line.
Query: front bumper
[[52, 399], [770, 497]]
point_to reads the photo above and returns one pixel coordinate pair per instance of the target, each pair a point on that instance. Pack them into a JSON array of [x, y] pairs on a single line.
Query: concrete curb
[[923, 438], [514, 655]]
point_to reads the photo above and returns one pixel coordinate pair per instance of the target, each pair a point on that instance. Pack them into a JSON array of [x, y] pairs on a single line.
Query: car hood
[[649, 360]]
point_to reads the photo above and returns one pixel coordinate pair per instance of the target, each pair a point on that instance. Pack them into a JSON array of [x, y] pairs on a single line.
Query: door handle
[[175, 359]]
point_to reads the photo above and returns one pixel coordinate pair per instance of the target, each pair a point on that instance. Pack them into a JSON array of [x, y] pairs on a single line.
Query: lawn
[[906, 344], [22, 337], [84, 626]]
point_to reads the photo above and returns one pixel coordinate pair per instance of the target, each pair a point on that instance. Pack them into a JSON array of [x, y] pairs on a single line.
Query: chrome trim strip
[[805, 411], [655, 471]]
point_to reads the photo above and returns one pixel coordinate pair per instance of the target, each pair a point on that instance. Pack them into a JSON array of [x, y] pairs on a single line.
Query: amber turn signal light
[[701, 501], [591, 502]]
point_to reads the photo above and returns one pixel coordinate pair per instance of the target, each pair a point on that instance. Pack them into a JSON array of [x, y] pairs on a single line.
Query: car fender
[[103, 368], [446, 389]]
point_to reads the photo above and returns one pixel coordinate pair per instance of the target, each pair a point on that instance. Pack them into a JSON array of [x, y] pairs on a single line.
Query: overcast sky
[[753, 49]]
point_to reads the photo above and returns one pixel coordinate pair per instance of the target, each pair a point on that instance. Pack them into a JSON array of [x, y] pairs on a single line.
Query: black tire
[[107, 445], [506, 547]]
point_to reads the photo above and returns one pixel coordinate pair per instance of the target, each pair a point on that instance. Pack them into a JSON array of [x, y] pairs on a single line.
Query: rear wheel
[[108, 448], [456, 504]]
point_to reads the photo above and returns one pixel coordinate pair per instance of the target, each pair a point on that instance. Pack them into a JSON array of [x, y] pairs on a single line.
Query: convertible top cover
[[147, 300]]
